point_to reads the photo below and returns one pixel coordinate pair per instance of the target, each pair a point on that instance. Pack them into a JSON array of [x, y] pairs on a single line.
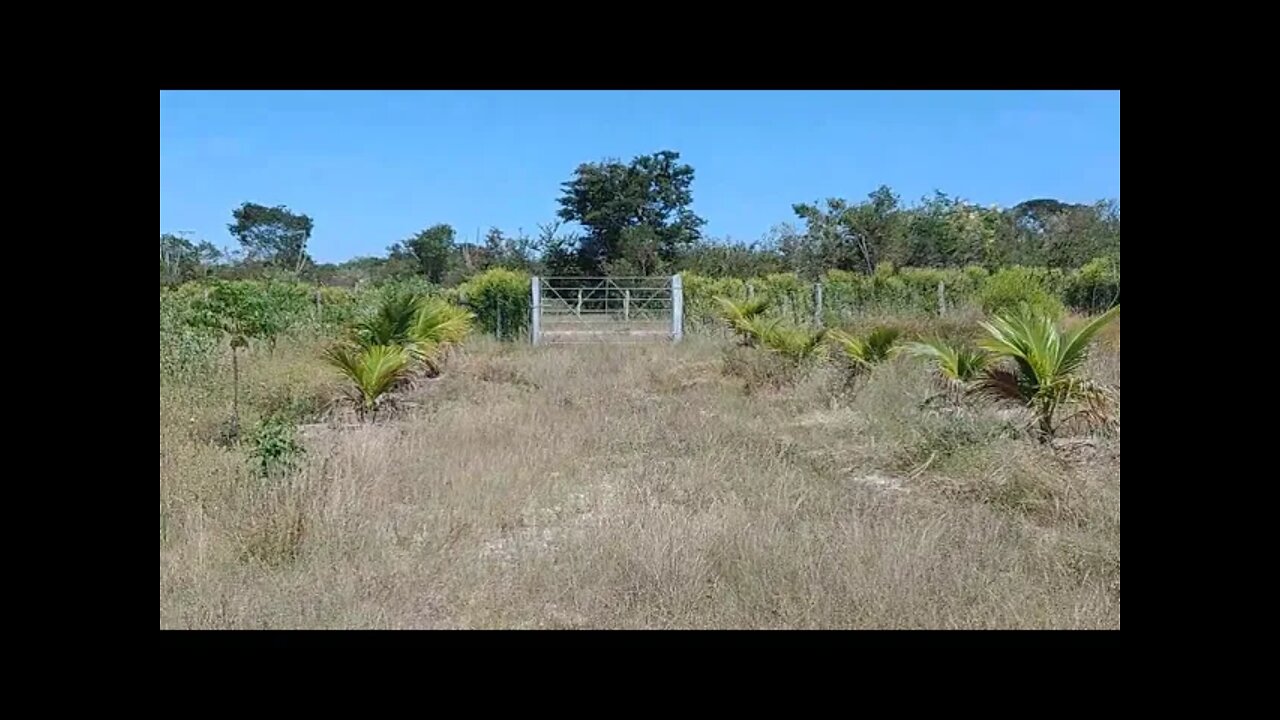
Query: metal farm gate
[[569, 310]]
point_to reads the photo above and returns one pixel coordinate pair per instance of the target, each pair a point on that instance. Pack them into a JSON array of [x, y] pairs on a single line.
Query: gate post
[[677, 308], [535, 310]]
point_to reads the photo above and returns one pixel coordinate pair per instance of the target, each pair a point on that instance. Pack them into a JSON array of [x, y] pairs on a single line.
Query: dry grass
[[635, 487]]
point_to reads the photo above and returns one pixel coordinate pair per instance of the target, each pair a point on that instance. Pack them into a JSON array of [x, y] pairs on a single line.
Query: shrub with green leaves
[[500, 300], [187, 350], [275, 448], [1012, 287], [1095, 286]]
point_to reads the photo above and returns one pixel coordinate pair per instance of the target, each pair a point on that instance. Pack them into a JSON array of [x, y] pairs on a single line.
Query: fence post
[[942, 298], [751, 291], [677, 308], [535, 310], [626, 305], [817, 305]]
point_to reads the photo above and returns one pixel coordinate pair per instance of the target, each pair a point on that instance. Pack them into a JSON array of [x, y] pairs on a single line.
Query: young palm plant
[[437, 327], [957, 366], [1044, 372], [744, 317], [372, 370], [795, 344], [860, 355], [392, 323]]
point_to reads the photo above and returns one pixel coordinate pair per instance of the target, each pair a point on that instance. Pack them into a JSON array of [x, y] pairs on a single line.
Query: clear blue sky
[[372, 168]]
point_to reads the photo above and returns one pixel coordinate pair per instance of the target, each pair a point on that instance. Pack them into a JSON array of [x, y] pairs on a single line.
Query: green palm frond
[[391, 323], [861, 353], [955, 363], [789, 341], [743, 317], [438, 326], [371, 370]]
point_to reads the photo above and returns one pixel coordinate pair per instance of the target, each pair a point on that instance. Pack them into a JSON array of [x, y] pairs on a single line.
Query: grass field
[[640, 486]]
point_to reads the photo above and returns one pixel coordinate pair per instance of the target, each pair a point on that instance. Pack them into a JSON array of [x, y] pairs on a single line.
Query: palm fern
[[956, 364], [391, 323], [1045, 361], [742, 317], [372, 370], [794, 343], [437, 326], [861, 354]]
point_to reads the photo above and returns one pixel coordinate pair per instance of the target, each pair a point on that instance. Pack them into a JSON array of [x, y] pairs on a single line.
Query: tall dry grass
[[637, 487]]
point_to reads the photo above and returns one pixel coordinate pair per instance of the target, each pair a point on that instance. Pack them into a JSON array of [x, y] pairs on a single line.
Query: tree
[[848, 237], [238, 311], [432, 250], [610, 200], [274, 235], [181, 260], [1063, 235]]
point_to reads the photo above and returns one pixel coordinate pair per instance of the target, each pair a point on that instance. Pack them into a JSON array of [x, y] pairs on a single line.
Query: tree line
[[636, 218]]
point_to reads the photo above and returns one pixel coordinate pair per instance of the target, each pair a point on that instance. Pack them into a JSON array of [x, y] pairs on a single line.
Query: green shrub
[[275, 448], [1095, 286], [1010, 288], [187, 350], [500, 299]]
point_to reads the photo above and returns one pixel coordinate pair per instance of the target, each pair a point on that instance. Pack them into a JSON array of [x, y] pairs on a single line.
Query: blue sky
[[373, 168]]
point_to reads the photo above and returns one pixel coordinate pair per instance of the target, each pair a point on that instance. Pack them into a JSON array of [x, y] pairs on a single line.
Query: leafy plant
[[391, 322], [1095, 286], [437, 327], [955, 364], [372, 371], [239, 312], [742, 317], [794, 343], [1012, 287], [861, 354], [1045, 360], [500, 300], [275, 447]]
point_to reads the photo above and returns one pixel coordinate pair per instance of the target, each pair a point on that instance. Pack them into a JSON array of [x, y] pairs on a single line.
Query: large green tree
[[275, 236], [431, 250], [635, 215]]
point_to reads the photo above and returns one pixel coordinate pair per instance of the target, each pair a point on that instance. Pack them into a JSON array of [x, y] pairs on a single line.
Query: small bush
[[1012, 287], [1095, 286], [500, 299], [186, 350], [275, 448]]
